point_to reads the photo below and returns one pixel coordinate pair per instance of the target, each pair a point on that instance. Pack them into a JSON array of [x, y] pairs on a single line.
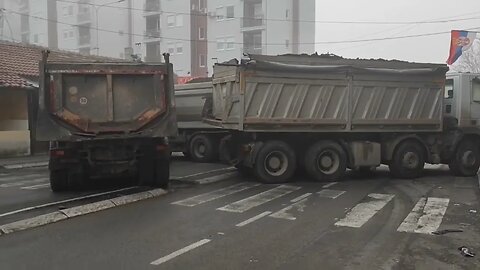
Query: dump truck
[[106, 119], [323, 114], [197, 140]]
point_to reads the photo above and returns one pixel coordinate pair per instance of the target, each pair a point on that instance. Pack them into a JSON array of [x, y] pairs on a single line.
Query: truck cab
[[462, 98]]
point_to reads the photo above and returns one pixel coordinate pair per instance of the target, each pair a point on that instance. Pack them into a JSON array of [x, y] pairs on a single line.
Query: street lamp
[[96, 15]]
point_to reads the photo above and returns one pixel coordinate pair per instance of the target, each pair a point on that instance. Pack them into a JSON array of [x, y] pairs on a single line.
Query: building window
[[179, 20], [179, 47], [202, 59], [65, 34], [220, 45], [202, 4], [230, 43], [287, 43], [70, 34], [257, 41], [201, 33], [219, 13], [171, 21], [230, 12], [287, 13], [171, 48], [70, 10]]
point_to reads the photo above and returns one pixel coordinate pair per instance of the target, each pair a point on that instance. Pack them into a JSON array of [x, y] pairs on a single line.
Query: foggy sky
[[423, 49]]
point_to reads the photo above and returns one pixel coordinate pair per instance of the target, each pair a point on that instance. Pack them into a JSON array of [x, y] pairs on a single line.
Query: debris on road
[[441, 232], [466, 252]]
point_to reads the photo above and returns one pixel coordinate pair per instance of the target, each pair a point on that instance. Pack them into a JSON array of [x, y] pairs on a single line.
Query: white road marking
[[27, 165], [215, 178], [256, 200], [19, 177], [216, 194], [362, 212], [255, 218], [228, 169], [21, 183], [180, 252], [301, 197], [426, 216], [330, 193], [36, 186], [62, 202], [285, 212], [329, 184]]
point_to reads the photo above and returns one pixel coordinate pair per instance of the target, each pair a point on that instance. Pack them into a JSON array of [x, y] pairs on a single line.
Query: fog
[[420, 49]]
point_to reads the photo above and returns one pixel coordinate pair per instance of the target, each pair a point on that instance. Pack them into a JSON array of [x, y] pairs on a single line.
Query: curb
[[25, 165], [78, 211]]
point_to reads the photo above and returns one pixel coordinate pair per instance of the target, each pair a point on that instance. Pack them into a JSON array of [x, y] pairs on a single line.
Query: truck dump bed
[[101, 100], [300, 93], [190, 99]]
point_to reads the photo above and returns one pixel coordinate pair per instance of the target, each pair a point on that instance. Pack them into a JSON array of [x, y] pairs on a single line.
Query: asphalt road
[[370, 223]]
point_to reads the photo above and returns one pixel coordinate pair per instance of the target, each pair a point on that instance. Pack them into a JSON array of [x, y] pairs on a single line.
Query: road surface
[[371, 223]]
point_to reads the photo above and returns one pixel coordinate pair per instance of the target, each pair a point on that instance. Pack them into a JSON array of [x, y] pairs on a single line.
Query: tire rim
[[276, 163], [200, 149], [468, 158], [410, 160], [328, 162]]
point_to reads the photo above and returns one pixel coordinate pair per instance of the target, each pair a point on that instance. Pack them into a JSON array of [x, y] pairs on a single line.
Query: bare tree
[[470, 59]]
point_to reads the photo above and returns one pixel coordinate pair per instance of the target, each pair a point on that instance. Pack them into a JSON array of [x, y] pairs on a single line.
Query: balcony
[[250, 49], [151, 7], [152, 35], [253, 23], [84, 17], [84, 41]]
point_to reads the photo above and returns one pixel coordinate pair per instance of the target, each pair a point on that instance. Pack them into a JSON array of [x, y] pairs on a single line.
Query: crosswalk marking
[[426, 216], [330, 193], [19, 177], [252, 219], [286, 213], [21, 183], [301, 197], [329, 184], [216, 194], [36, 186], [256, 200], [362, 212]]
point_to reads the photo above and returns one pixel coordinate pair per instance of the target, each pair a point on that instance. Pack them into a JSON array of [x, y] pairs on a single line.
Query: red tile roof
[[18, 62]]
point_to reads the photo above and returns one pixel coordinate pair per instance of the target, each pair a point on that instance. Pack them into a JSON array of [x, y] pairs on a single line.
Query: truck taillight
[[161, 147], [57, 153]]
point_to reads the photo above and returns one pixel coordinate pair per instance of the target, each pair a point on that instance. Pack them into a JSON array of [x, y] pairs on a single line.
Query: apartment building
[[196, 33], [209, 31]]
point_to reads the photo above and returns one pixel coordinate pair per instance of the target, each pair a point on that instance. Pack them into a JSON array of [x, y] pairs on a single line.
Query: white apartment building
[[9, 21], [259, 27], [196, 33]]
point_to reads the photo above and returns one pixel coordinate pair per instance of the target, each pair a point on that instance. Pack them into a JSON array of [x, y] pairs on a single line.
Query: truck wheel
[[466, 160], [59, 180], [326, 161], [275, 162], [162, 173], [408, 160], [203, 148]]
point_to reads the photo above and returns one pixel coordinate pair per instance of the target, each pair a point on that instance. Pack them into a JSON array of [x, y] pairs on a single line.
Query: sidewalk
[[24, 162]]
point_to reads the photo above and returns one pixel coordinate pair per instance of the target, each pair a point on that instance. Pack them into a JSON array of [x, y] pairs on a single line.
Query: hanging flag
[[460, 42]]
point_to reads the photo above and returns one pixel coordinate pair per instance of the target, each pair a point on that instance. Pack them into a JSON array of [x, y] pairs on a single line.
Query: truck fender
[[389, 146]]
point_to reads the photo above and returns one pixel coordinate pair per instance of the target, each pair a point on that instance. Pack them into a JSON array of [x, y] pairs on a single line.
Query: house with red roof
[[19, 75]]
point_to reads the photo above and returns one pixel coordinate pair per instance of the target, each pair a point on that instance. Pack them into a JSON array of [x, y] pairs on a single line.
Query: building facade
[[196, 33]]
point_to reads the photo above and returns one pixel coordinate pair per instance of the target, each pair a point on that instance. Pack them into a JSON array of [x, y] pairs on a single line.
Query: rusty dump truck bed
[[104, 100], [301, 93]]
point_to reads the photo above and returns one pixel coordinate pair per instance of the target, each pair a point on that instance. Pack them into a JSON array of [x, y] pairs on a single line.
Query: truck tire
[[326, 161], [275, 163], [408, 160], [162, 173], [466, 160], [59, 180], [203, 148]]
